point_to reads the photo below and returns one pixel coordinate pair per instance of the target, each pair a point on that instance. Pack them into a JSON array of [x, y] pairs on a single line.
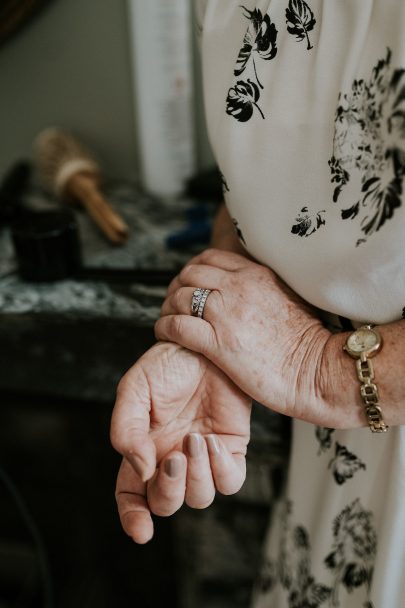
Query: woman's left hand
[[267, 339]]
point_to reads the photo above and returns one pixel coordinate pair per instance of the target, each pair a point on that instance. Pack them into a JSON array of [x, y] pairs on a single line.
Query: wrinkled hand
[[260, 333], [183, 429]]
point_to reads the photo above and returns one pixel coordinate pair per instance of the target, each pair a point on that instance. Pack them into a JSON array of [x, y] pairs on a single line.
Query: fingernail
[[173, 466], [214, 446], [194, 445]]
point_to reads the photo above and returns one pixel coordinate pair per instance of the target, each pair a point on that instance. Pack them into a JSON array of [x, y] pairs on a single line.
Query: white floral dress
[[305, 106]]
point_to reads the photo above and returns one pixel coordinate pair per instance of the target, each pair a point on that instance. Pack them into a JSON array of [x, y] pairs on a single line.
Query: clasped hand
[[182, 414]]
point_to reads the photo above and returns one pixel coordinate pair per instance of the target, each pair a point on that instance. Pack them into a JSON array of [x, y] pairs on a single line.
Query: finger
[[130, 423], [166, 490], [219, 258], [133, 509], [228, 470], [203, 276], [190, 332], [179, 303], [200, 488], [173, 286]]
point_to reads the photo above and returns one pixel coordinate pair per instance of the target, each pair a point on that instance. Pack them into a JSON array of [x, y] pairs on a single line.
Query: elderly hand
[[260, 333], [183, 429]]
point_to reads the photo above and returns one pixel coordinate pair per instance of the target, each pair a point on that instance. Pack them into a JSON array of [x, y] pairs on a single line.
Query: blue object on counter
[[196, 232]]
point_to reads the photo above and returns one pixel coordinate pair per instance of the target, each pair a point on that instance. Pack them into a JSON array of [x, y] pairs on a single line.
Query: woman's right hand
[[183, 428]]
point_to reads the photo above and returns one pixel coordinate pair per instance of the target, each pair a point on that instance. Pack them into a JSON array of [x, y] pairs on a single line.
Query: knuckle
[[186, 273], [209, 254], [176, 326], [216, 300], [204, 257], [158, 326], [178, 297], [173, 285]]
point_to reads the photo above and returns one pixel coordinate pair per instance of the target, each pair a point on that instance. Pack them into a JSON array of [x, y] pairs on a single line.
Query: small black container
[[47, 245]]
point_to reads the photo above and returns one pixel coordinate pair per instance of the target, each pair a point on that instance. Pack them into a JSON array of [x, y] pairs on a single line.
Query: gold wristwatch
[[363, 344]]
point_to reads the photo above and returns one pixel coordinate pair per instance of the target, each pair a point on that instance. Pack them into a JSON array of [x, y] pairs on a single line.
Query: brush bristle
[[58, 156]]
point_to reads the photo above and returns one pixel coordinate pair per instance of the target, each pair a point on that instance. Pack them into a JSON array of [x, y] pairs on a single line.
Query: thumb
[[130, 423]]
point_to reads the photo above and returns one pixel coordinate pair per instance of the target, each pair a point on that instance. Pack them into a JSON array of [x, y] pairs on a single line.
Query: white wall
[[70, 67]]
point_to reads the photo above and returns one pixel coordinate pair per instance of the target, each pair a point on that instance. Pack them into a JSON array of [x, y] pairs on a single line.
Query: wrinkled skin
[[261, 334]]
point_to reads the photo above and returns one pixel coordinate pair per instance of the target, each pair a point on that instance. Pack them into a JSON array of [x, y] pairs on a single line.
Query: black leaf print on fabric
[[345, 464], [351, 212], [260, 41], [224, 183], [238, 230], [310, 595], [339, 176], [300, 20], [260, 38], [307, 223], [294, 570], [354, 549], [324, 436], [370, 140], [267, 577], [242, 99], [383, 199]]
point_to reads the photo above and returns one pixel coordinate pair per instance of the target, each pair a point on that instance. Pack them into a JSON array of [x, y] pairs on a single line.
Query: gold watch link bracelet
[[361, 345]]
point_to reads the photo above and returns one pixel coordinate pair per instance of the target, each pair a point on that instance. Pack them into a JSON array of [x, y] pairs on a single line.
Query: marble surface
[[150, 221]]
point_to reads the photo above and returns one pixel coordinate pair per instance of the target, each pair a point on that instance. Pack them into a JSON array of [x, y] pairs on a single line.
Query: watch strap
[[369, 394]]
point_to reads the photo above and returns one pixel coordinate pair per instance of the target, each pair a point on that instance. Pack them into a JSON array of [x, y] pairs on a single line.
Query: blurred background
[[73, 66], [107, 187]]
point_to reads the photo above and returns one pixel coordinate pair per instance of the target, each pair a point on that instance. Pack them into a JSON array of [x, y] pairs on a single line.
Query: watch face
[[363, 340]]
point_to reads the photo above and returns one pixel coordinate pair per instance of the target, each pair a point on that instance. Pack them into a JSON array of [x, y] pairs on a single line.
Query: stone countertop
[[150, 220], [75, 338]]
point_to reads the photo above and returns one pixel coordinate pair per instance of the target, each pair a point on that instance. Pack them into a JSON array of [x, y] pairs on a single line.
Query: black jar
[[47, 245]]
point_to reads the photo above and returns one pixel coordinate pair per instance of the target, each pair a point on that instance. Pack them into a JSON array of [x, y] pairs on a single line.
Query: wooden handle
[[84, 187]]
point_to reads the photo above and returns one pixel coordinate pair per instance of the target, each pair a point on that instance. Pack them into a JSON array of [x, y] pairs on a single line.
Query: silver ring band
[[195, 302], [198, 302]]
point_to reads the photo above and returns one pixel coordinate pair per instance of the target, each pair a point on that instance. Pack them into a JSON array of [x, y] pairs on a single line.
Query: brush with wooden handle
[[68, 170]]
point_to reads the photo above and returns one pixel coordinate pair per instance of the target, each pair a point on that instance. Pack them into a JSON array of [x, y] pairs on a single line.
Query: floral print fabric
[[328, 543], [306, 115], [305, 104]]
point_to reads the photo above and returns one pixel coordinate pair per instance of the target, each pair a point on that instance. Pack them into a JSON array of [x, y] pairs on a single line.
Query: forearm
[[340, 386], [223, 233]]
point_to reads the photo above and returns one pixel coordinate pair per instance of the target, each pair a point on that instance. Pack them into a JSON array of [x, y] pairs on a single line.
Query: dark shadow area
[[57, 455]]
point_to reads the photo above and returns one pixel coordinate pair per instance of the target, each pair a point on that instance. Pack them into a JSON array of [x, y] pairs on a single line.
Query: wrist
[[228, 241], [223, 233], [340, 387], [306, 399]]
